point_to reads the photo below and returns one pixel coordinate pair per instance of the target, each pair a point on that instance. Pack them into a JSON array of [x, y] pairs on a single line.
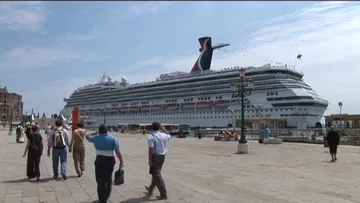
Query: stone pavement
[[196, 171]]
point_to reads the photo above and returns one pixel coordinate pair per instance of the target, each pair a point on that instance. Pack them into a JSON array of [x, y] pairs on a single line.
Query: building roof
[[3, 90]]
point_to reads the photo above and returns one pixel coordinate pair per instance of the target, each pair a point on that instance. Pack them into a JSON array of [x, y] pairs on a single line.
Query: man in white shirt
[[157, 143]]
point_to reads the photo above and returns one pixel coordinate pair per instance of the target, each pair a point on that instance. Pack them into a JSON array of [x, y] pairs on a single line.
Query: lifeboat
[[188, 105], [203, 104], [221, 103], [156, 107], [145, 107], [133, 108], [172, 106], [94, 110]]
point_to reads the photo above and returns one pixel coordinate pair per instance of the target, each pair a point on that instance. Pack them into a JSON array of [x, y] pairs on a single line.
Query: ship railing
[[310, 133]]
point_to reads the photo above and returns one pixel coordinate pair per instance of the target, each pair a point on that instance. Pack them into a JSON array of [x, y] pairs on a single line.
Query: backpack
[[35, 142], [59, 139]]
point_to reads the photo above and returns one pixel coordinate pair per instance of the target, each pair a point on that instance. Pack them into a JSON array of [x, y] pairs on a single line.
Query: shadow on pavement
[[42, 180], [145, 198], [22, 180]]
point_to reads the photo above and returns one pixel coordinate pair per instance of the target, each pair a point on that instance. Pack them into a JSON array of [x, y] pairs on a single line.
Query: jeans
[[104, 167], [59, 153]]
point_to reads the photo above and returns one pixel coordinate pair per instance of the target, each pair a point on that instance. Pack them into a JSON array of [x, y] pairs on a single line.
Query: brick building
[[10, 103]]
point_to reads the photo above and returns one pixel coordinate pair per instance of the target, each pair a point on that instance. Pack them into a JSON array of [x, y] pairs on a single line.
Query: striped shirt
[[105, 144]]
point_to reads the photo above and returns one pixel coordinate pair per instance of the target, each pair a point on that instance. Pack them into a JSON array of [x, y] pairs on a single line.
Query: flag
[[299, 56]]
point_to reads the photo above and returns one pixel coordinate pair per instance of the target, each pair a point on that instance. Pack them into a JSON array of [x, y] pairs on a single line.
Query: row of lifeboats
[[167, 106]]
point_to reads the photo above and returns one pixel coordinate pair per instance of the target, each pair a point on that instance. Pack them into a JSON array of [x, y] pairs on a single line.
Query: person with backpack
[[34, 149], [58, 140], [77, 147], [105, 145]]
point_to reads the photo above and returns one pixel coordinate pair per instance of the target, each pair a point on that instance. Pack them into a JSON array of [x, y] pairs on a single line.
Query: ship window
[[209, 98], [267, 93], [191, 99], [271, 93], [276, 93]]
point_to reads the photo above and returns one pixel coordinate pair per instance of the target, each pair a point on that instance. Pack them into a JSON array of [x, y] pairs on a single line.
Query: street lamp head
[[340, 104], [242, 73]]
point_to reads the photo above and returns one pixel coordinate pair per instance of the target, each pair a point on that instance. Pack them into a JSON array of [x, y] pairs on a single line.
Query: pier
[[195, 171]]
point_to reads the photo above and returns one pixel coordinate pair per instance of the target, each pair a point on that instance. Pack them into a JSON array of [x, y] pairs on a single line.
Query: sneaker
[[147, 188], [161, 197], [56, 177], [64, 176]]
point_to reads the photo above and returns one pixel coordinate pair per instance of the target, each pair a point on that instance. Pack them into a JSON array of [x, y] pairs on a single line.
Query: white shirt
[[159, 141]]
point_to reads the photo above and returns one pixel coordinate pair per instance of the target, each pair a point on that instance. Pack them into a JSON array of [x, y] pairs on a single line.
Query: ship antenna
[[298, 58]]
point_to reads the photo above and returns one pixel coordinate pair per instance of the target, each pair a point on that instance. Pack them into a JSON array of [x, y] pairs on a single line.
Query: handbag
[[22, 139], [119, 177]]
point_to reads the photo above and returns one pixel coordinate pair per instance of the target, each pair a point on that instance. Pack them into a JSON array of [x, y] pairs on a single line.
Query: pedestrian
[[157, 143], [333, 140], [105, 145], [77, 147], [34, 149], [266, 134], [19, 132], [48, 131], [58, 140]]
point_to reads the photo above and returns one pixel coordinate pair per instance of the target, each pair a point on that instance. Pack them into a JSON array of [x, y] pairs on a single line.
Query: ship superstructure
[[202, 97]]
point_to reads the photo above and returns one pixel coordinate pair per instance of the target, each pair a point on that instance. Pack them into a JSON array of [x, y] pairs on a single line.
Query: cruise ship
[[201, 98]]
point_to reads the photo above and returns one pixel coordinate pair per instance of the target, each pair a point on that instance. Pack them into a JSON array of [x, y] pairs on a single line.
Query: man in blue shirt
[[105, 145], [157, 143], [266, 134]]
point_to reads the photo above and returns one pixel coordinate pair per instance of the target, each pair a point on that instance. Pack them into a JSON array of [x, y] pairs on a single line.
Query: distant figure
[[48, 130], [19, 133], [157, 143], [333, 140], [77, 147], [58, 140], [266, 134]]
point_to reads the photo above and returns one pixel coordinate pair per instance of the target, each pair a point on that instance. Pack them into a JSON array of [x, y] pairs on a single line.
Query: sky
[[48, 49]]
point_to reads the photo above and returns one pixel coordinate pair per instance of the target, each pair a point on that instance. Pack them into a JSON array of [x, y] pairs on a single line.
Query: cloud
[[30, 58], [327, 34], [58, 89], [78, 37], [147, 7], [24, 16]]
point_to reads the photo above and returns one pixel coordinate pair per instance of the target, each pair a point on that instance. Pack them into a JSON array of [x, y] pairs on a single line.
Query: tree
[[44, 116], [38, 115]]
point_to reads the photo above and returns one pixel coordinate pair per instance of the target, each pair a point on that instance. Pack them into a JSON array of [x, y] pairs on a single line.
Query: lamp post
[[242, 90], [11, 120], [340, 104]]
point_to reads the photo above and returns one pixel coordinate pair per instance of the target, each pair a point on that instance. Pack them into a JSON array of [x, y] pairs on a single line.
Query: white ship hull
[[202, 97]]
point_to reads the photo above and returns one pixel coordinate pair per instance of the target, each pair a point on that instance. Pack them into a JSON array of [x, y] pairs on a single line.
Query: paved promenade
[[196, 171]]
